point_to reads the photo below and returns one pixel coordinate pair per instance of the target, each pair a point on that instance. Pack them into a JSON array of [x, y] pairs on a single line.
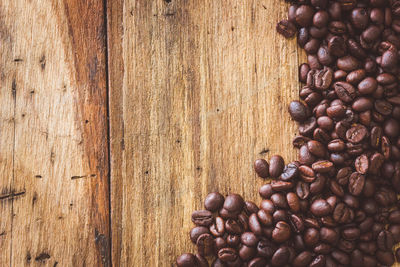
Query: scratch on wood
[[38, 176], [42, 257], [264, 151], [3, 233], [14, 87], [55, 264], [28, 257], [34, 198], [11, 195], [18, 60], [42, 62], [82, 176]]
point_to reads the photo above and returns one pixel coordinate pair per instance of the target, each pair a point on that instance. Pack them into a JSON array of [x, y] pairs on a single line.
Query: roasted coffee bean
[[394, 216], [345, 91], [186, 260], [302, 190], [205, 245], [233, 203], [213, 201], [254, 224], [303, 259], [307, 128], [356, 183], [280, 257], [296, 223], [348, 63], [280, 215], [267, 205], [299, 141], [311, 237], [233, 227], [247, 253], [361, 164], [385, 240], [356, 134], [218, 228], [202, 217], [286, 28], [261, 167], [266, 191], [227, 254], [293, 202], [281, 232], [385, 257], [249, 208], [276, 165], [394, 229], [298, 111], [290, 172], [304, 15], [322, 166], [362, 104], [264, 217], [305, 156], [306, 173], [198, 231], [279, 201], [320, 208]]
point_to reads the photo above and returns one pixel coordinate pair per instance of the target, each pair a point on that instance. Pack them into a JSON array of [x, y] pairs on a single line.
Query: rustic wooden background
[[118, 117]]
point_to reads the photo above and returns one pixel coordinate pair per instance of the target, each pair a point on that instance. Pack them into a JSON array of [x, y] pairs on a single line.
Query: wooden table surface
[[118, 117]]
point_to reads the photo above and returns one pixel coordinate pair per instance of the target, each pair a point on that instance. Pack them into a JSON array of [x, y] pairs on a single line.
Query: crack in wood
[[11, 195], [42, 257], [82, 176]]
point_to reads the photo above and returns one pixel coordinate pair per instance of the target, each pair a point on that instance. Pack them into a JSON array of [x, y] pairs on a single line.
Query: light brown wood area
[[117, 118], [198, 90], [53, 147]]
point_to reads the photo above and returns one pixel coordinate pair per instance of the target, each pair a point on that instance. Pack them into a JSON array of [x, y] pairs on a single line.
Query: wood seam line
[[108, 126]]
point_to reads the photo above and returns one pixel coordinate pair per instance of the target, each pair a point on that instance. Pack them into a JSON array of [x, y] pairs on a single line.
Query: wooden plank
[[198, 89], [54, 116]]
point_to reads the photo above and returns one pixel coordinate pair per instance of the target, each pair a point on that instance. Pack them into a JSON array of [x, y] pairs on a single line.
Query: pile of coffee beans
[[337, 204]]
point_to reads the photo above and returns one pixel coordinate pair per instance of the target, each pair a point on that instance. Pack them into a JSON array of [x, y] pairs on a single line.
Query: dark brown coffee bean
[[290, 172], [345, 91], [254, 224], [325, 123], [302, 190], [395, 231], [279, 201], [198, 231], [303, 71], [385, 240], [328, 235], [322, 166], [336, 112], [356, 134], [264, 217], [286, 28], [362, 164], [340, 257], [307, 128], [325, 57], [336, 145], [320, 208], [293, 202], [355, 77], [342, 213], [303, 259], [227, 254], [394, 217], [276, 165], [362, 104], [367, 86], [266, 191], [281, 232], [202, 217], [321, 19], [233, 203], [337, 46], [376, 135], [339, 75], [186, 260], [246, 253], [261, 167], [205, 245], [318, 261], [249, 239], [336, 188], [304, 15], [296, 223], [385, 147], [280, 257], [383, 107], [226, 214], [250, 207], [318, 184], [280, 186], [337, 27], [306, 173], [352, 233], [213, 201], [233, 227], [359, 18], [385, 257], [311, 237], [267, 205], [321, 136], [323, 248], [218, 228], [348, 63], [298, 111], [356, 183]]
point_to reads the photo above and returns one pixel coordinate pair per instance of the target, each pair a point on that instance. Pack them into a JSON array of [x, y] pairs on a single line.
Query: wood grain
[[53, 150], [198, 90]]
